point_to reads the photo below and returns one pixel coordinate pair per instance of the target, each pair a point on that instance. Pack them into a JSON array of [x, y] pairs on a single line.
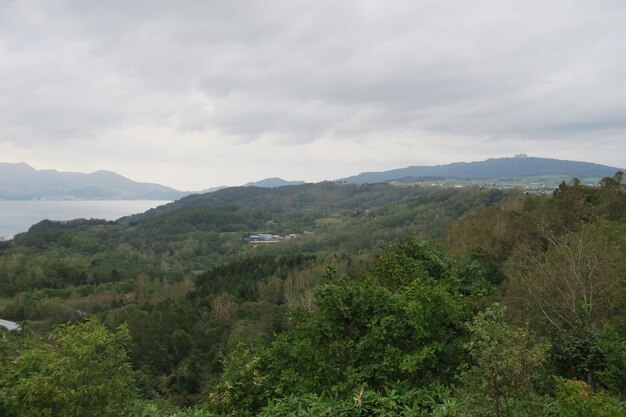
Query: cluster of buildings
[[9, 325], [263, 238]]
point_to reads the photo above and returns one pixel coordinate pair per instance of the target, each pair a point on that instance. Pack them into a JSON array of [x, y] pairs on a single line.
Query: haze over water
[[18, 216]]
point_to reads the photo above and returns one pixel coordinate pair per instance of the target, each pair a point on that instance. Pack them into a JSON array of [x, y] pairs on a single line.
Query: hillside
[[22, 182], [321, 196], [518, 166]]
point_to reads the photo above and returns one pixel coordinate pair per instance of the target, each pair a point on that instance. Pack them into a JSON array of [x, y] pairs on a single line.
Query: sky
[[196, 94]]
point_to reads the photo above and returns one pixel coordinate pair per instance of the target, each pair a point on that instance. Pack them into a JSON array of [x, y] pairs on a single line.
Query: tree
[[506, 364], [83, 371], [576, 399], [576, 280]]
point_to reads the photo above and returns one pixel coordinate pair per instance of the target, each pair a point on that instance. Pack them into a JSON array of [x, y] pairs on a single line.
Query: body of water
[[17, 216]]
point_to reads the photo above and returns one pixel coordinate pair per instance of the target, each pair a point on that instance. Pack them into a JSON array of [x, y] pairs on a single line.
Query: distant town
[[532, 185]]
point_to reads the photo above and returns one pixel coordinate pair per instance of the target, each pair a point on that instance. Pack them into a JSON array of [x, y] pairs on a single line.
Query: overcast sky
[[194, 94]]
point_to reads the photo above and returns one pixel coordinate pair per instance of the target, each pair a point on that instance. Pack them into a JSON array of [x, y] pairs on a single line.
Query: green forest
[[399, 300]]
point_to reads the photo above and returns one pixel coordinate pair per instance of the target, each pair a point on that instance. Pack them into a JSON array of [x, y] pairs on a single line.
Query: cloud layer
[[195, 93]]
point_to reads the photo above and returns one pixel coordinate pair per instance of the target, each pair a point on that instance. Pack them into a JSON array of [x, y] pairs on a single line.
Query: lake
[[17, 216]]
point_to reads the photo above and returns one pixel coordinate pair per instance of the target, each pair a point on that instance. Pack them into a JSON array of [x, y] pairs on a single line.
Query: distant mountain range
[[518, 166], [22, 182]]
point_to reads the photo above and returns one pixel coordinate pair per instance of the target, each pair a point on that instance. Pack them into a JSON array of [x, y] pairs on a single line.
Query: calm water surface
[[18, 216]]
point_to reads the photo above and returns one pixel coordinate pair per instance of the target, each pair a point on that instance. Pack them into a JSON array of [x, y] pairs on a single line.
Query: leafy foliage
[[506, 367], [576, 398], [84, 371]]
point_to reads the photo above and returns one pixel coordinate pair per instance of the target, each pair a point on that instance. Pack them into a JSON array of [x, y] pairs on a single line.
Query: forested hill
[[519, 166], [23, 182], [320, 196]]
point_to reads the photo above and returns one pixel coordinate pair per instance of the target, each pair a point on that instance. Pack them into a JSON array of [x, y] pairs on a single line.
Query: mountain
[[272, 183], [22, 182], [518, 166]]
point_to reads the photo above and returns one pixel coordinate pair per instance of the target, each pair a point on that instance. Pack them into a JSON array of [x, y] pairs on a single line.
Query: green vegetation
[[84, 371], [406, 301]]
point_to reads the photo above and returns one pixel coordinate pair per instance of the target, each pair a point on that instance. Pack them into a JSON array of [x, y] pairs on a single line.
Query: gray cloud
[[500, 70]]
